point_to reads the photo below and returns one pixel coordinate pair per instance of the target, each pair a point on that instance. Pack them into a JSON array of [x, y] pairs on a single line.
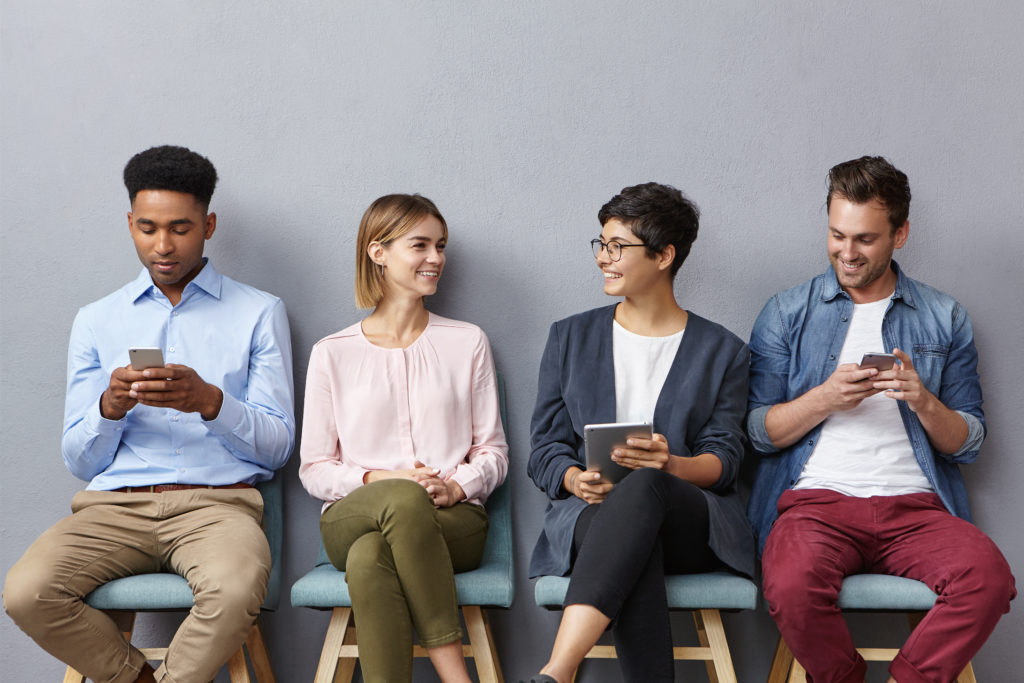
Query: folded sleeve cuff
[[975, 434], [757, 432]]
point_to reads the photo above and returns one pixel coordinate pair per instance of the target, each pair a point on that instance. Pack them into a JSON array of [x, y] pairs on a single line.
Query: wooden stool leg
[[715, 633], [332, 645], [797, 674], [702, 637], [72, 676], [258, 655], [967, 676], [782, 662], [238, 672], [347, 663], [488, 669]]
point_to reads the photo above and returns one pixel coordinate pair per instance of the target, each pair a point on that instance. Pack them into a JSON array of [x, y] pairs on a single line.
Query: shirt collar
[[208, 280], [831, 288]]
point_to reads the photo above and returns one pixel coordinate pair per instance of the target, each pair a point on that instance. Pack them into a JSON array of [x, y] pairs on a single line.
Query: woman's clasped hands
[[444, 493]]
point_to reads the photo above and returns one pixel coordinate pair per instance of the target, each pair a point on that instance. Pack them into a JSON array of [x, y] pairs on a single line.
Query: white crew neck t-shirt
[[641, 366], [865, 451]]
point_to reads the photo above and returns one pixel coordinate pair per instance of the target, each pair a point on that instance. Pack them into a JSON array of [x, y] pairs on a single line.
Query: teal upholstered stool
[[869, 593], [490, 585], [169, 592], [703, 594]]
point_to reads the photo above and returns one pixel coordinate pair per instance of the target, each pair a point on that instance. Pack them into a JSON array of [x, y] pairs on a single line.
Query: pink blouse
[[372, 408]]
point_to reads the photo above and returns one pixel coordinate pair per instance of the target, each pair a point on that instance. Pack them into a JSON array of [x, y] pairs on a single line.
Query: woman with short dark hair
[[644, 359]]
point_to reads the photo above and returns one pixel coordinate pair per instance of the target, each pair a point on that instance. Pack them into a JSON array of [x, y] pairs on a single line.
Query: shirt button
[[831, 356], [178, 451], [175, 313], [174, 419], [171, 349], [809, 443], [844, 318]]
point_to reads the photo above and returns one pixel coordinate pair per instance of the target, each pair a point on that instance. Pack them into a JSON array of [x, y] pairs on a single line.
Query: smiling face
[[414, 261], [635, 272], [861, 242], [169, 230]]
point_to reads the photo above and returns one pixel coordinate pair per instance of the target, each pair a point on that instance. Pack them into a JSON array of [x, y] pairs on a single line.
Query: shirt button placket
[[402, 409]]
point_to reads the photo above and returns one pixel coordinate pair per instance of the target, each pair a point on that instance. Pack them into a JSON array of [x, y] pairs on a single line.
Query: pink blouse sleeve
[[487, 461], [322, 469]]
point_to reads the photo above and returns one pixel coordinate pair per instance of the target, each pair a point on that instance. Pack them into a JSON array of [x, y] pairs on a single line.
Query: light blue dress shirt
[[234, 336]]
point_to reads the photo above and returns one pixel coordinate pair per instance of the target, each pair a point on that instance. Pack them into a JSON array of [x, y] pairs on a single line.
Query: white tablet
[[601, 439]]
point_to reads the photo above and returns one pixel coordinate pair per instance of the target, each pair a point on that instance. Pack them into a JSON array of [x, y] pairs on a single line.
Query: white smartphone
[[143, 357], [599, 440], [882, 361]]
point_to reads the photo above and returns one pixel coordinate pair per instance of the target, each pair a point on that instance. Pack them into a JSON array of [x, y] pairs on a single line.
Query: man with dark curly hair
[[171, 451]]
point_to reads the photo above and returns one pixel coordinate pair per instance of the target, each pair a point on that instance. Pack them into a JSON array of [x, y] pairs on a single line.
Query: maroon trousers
[[822, 536]]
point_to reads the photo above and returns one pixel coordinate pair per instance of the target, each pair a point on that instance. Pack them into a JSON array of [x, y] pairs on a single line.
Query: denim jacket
[[795, 346]]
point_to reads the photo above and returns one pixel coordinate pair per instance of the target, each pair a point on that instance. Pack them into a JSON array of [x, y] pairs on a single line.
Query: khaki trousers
[[211, 537], [399, 554]]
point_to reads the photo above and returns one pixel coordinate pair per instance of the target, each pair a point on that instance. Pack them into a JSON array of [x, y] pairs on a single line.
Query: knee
[[406, 502], [794, 575], [24, 592], [241, 592], [367, 558], [236, 585], [988, 579], [640, 486], [20, 594]]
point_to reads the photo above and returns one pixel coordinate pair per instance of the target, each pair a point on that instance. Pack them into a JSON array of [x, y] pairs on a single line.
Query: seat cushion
[[877, 592], [325, 588], [714, 590], [143, 592]]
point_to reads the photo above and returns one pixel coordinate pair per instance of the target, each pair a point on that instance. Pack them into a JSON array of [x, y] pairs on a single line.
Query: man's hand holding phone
[[846, 387], [173, 386], [902, 383]]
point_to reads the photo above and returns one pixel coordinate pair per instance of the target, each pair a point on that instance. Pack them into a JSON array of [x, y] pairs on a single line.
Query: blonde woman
[[402, 439]]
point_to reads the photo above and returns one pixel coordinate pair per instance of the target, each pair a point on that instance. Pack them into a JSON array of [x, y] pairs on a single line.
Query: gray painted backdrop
[[519, 120]]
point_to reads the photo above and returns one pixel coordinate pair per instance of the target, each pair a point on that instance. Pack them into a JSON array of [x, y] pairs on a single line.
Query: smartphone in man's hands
[[880, 361], [143, 357]]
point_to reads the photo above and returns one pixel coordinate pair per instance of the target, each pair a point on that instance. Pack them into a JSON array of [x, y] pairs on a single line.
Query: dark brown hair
[[861, 180]]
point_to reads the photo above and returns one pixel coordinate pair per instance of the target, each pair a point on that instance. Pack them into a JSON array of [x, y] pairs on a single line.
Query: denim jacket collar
[[904, 290]]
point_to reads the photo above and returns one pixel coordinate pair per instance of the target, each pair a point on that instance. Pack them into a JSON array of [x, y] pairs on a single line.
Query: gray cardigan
[[700, 410]]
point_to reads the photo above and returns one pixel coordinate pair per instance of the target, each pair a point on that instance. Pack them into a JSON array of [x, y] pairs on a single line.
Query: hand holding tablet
[[601, 439]]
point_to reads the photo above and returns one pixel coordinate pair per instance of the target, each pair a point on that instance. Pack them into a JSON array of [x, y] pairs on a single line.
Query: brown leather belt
[[160, 488]]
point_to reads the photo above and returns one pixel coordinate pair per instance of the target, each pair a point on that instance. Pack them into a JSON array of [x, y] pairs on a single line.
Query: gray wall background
[[519, 120]]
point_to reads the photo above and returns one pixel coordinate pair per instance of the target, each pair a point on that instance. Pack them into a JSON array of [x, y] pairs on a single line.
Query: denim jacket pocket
[[929, 361]]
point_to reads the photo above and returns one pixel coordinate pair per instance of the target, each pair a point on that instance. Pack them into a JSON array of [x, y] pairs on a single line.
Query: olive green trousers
[[399, 554]]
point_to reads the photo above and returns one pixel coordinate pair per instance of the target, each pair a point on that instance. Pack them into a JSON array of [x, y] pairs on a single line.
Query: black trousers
[[652, 523]]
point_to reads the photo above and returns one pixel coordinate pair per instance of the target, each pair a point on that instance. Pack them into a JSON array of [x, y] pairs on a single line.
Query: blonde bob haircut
[[387, 219]]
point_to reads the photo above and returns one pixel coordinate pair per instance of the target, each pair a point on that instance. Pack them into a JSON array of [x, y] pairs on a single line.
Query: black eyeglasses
[[614, 249]]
